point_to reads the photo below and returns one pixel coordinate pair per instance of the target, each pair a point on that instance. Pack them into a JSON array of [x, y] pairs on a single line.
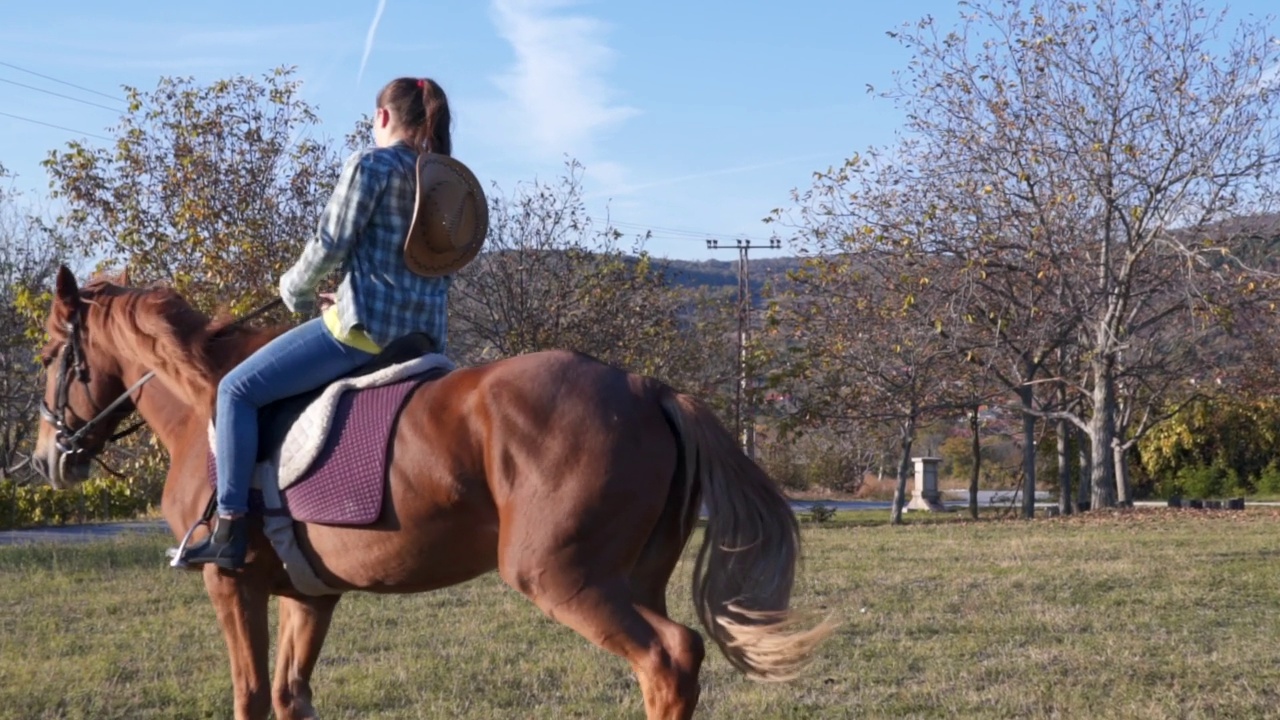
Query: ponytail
[[422, 107]]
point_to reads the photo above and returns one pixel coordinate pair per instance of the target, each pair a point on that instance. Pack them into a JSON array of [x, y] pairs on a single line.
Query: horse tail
[[746, 566]]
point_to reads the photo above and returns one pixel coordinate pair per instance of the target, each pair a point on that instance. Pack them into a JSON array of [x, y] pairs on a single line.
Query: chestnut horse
[[578, 482]]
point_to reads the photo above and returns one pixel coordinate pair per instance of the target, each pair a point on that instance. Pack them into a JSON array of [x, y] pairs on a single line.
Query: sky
[[692, 119]]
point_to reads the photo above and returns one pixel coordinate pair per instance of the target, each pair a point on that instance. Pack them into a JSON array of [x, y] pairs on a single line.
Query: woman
[[362, 231]]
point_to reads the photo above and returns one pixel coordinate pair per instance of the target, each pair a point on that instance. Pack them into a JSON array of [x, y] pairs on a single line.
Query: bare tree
[[1074, 157], [552, 278], [867, 342]]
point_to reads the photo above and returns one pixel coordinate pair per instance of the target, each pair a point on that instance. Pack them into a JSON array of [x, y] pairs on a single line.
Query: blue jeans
[[304, 358]]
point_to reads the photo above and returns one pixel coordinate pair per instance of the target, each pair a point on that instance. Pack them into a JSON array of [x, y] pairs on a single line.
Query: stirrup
[[175, 554]]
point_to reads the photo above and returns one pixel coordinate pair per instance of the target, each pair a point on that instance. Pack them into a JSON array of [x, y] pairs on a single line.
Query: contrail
[[368, 39]]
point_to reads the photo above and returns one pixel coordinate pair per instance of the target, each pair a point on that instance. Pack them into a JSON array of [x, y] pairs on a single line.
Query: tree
[[866, 342], [1074, 157], [551, 278], [29, 255], [211, 188]]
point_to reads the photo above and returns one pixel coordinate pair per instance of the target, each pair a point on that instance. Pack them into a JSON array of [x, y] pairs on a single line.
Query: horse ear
[[124, 277], [67, 292]]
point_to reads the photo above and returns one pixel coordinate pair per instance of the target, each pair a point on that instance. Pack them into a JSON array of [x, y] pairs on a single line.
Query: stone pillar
[[925, 495]]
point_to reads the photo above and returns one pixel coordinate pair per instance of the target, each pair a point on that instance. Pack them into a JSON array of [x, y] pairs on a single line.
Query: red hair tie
[[422, 83]]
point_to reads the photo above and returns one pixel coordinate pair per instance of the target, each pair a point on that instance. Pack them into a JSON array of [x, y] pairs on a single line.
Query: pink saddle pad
[[346, 482]]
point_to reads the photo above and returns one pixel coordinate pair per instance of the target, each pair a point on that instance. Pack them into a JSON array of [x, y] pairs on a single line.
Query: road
[[101, 531], [80, 533]]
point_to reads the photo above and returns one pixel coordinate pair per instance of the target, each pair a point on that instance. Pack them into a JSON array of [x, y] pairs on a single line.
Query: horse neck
[[168, 401], [176, 423], [187, 370]]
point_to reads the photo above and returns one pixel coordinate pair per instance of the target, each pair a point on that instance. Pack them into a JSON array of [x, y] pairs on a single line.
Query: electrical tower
[[743, 412]]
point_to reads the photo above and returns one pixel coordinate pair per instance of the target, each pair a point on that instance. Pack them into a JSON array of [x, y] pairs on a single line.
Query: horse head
[[85, 397]]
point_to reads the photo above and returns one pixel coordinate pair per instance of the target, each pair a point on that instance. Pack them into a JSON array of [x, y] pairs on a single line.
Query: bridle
[[73, 367]]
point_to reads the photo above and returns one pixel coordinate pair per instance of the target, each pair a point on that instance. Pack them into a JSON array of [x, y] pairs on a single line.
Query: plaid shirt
[[362, 232]]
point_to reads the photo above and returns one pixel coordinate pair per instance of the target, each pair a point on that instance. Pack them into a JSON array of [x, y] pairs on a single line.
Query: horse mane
[[188, 348]]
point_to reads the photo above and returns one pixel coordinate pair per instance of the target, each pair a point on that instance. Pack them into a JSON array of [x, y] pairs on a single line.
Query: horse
[[578, 482]]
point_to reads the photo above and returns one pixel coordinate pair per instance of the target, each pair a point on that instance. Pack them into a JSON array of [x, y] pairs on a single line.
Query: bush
[[106, 498], [820, 513], [1269, 479], [1204, 481]]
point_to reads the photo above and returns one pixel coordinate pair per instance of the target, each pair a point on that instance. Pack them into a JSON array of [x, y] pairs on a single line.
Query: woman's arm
[[350, 206]]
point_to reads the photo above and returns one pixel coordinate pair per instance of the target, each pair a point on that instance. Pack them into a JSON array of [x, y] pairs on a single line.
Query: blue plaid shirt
[[362, 232]]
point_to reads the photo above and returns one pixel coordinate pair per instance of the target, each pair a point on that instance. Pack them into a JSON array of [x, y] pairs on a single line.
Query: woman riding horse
[[579, 483], [379, 300]]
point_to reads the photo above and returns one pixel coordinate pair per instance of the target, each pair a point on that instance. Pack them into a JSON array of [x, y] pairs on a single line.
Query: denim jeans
[[304, 358]]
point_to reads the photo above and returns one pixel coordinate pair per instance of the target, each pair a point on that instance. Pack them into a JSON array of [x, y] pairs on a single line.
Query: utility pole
[[743, 413]]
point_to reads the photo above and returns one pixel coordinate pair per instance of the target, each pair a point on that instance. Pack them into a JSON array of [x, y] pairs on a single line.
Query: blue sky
[[693, 119]]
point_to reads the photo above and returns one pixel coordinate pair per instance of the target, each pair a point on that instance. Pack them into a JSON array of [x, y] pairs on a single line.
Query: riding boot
[[224, 547]]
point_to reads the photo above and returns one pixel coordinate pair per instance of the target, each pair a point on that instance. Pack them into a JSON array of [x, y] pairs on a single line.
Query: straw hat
[[450, 217]]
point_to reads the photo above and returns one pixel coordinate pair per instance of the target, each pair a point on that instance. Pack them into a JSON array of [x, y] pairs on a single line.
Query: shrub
[[1204, 481], [104, 498], [820, 513], [1269, 479]]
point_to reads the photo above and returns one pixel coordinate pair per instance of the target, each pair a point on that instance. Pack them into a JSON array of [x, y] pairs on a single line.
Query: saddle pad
[[343, 439], [344, 485], [303, 442]]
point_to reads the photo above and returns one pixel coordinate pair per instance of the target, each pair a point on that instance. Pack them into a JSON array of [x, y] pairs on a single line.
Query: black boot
[[225, 546]]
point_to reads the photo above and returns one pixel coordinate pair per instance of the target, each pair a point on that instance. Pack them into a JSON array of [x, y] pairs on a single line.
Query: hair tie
[[422, 83]]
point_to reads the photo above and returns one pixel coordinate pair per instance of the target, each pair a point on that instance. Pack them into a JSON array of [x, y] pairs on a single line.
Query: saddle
[[275, 419], [323, 456]]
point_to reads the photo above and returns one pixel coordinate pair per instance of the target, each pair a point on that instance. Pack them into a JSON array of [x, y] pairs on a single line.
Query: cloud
[[90, 45], [368, 38], [558, 98]]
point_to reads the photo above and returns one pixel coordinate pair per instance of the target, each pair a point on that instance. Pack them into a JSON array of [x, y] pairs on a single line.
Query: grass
[[1138, 614]]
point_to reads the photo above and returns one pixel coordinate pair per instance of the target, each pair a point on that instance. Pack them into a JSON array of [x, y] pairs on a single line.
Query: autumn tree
[[213, 188], [29, 255], [868, 345], [1074, 157], [552, 277]]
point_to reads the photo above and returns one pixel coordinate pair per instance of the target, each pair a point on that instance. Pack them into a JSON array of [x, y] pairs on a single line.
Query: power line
[[63, 82], [57, 94], [680, 233], [59, 127]]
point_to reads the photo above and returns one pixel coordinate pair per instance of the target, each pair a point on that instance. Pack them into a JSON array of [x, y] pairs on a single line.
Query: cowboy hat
[[450, 217]]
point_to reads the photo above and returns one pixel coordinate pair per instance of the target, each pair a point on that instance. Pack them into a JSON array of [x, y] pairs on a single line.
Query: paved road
[[81, 533], [100, 531]]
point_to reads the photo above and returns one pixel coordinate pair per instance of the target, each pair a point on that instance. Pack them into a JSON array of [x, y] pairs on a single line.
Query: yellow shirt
[[356, 338]]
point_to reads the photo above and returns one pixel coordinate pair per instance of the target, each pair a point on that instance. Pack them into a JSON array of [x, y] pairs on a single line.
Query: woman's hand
[[326, 300]]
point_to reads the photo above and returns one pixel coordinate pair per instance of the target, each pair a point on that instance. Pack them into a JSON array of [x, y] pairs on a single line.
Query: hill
[[717, 274]]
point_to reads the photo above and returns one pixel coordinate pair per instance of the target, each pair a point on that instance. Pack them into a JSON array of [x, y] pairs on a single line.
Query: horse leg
[[241, 605], [649, 581], [662, 553], [304, 622], [665, 656], [683, 652]]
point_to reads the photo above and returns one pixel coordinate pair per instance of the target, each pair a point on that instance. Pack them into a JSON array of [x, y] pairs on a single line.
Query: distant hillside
[[724, 274], [1254, 239]]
